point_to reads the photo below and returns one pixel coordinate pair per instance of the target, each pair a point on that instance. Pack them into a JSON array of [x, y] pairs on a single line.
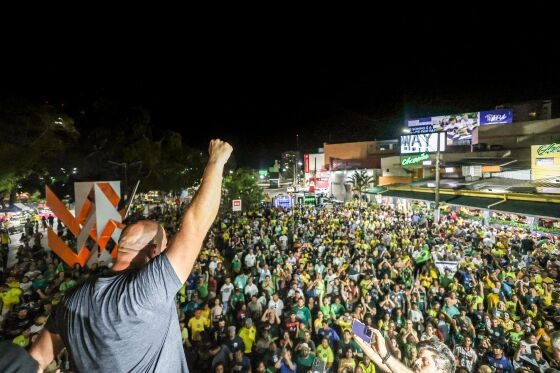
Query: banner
[[422, 143], [496, 117], [442, 266]]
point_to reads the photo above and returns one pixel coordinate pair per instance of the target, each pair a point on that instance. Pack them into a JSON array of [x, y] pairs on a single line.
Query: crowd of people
[[278, 290]]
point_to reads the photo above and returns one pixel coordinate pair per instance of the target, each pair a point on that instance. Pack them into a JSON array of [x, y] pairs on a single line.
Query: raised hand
[[219, 151]]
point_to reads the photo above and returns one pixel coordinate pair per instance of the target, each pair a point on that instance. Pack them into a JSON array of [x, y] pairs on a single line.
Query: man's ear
[[152, 250]]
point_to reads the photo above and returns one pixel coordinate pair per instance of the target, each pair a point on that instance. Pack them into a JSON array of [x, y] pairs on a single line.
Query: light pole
[[294, 178], [436, 212]]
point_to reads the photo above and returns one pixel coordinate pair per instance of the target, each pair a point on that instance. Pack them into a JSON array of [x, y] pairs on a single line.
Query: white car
[[290, 189]]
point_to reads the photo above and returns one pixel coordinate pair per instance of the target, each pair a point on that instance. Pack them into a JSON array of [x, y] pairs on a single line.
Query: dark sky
[[259, 90]]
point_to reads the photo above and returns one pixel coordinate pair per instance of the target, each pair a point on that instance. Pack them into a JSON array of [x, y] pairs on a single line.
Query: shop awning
[[376, 190], [422, 196], [475, 202], [542, 209]]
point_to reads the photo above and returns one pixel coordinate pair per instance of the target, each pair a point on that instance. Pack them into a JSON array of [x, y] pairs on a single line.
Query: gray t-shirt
[[125, 322]]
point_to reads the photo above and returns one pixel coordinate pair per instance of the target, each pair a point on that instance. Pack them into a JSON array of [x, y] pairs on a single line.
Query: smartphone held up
[[361, 330]]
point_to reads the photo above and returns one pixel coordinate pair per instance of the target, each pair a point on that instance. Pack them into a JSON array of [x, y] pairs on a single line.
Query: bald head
[[144, 240], [137, 236]]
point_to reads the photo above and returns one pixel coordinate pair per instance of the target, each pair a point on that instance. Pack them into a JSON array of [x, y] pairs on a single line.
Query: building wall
[[341, 189], [521, 134], [362, 154], [391, 166], [388, 180]]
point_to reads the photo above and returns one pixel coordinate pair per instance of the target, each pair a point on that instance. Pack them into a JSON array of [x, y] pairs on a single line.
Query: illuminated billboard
[[460, 127], [422, 143]]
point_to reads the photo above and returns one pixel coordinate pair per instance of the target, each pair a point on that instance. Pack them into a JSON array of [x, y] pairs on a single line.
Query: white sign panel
[[442, 266], [422, 143], [236, 205]]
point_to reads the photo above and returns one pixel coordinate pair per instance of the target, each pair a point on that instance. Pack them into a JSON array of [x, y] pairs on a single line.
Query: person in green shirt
[[302, 313], [337, 309], [240, 280], [325, 307], [237, 299], [446, 279], [202, 287], [516, 335], [236, 264], [67, 284], [305, 359]]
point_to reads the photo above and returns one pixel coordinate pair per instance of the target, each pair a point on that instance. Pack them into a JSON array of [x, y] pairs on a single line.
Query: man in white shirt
[[276, 304], [250, 259], [295, 291], [283, 241], [226, 290], [212, 266], [251, 289]]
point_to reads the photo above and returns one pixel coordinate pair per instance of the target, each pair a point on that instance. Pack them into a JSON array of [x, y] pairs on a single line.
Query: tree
[[35, 138], [242, 184], [360, 181], [125, 145]]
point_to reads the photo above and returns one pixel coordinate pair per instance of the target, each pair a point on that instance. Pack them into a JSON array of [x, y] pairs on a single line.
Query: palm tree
[[360, 181]]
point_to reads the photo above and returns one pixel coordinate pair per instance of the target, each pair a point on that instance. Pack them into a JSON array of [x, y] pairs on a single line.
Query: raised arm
[[201, 213]]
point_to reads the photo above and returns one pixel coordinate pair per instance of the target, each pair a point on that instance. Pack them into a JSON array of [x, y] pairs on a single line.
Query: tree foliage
[[242, 184], [35, 138], [360, 181]]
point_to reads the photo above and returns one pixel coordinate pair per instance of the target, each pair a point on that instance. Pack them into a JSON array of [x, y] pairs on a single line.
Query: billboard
[[283, 201], [422, 143], [460, 127]]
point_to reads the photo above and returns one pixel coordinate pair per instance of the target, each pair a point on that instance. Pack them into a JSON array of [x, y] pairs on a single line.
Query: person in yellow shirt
[[345, 322], [9, 297], [543, 336], [22, 340], [248, 335], [325, 353], [493, 299], [197, 325]]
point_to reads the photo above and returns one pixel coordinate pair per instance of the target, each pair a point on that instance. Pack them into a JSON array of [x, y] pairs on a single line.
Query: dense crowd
[[277, 290]]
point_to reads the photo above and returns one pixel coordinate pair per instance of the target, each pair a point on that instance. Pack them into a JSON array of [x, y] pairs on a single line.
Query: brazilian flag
[[424, 256]]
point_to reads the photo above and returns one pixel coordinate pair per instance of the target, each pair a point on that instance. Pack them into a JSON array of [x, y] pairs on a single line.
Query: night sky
[[258, 90]]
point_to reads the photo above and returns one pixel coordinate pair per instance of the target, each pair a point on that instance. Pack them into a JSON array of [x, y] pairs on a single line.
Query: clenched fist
[[219, 151]]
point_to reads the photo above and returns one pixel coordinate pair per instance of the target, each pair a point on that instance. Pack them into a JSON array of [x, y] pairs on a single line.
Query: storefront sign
[[414, 159], [548, 149]]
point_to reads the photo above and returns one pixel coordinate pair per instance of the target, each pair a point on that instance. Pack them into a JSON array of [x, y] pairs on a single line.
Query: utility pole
[[436, 212]]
